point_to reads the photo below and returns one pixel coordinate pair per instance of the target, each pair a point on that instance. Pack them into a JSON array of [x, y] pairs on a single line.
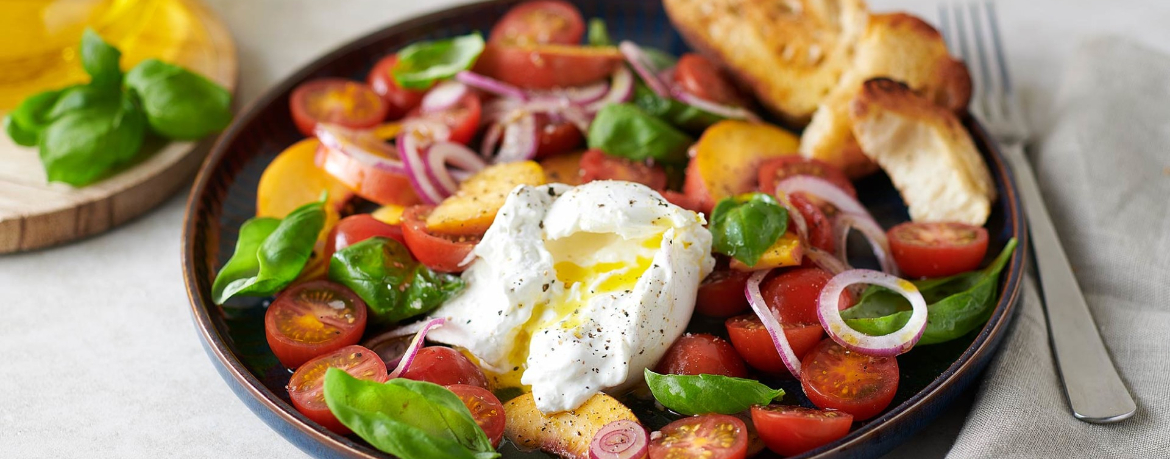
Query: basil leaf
[[85, 145], [100, 60], [409, 419], [270, 253], [681, 115], [26, 122], [180, 104], [659, 59], [82, 97], [704, 394], [598, 33], [393, 285], [423, 63], [956, 304], [745, 226], [626, 131]]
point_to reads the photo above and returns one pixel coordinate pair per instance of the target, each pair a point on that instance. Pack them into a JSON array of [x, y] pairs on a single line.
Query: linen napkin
[[1104, 168]]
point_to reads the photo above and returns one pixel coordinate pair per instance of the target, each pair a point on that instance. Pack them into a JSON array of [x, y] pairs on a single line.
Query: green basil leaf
[[409, 419], [686, 117], [423, 63], [956, 304], [100, 60], [625, 130], [703, 394], [180, 104], [83, 97], [659, 59], [83, 146], [270, 253], [745, 226], [598, 33], [394, 286], [25, 123]]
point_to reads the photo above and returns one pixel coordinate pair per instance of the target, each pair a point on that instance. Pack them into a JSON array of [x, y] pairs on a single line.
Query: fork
[[1093, 388]]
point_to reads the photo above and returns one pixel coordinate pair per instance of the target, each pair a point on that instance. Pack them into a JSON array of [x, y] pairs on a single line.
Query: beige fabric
[[1104, 168]]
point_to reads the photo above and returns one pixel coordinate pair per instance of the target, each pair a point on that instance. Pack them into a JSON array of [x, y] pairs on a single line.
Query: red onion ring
[[490, 84], [890, 345], [823, 189], [874, 233], [621, 439], [726, 111], [455, 154], [361, 146], [795, 217], [768, 318], [443, 96], [578, 95], [416, 169], [491, 138], [415, 345], [645, 69], [621, 89], [825, 260]]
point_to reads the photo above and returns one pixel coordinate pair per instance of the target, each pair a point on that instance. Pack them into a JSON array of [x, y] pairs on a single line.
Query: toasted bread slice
[[897, 46], [790, 53], [925, 150]]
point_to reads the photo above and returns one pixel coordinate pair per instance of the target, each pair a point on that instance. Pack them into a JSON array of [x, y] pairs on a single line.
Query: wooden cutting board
[[36, 214]]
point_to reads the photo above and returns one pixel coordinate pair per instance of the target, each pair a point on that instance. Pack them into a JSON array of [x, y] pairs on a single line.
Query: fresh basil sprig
[[406, 418], [956, 304], [100, 60], [686, 117], [393, 285], [598, 33], [179, 104], [423, 63], [703, 394], [745, 226], [625, 130], [270, 253], [85, 144]]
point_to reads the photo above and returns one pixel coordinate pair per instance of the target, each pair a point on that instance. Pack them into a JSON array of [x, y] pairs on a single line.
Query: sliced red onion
[[726, 111], [825, 260], [518, 138], [823, 189], [896, 343], [491, 138], [768, 318], [621, 439], [416, 169], [442, 97], [391, 346], [795, 217], [579, 95], [443, 153], [415, 345], [621, 89], [873, 233], [641, 64], [361, 146], [490, 84]]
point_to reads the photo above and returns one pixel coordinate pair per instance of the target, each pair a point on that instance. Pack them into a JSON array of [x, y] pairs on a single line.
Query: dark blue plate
[[225, 195]]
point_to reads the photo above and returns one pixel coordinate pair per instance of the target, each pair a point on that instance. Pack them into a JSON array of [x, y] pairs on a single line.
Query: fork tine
[[993, 22], [944, 25], [993, 93]]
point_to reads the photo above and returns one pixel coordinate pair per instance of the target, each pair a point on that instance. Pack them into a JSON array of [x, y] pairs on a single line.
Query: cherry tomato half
[[436, 252], [820, 229], [462, 118], [356, 228], [485, 408], [754, 344], [553, 139], [364, 179], [685, 201], [399, 101], [540, 22], [596, 165], [937, 249], [306, 387], [793, 294], [721, 293], [311, 319], [701, 354], [444, 366], [791, 430], [548, 66], [708, 436], [699, 76], [836, 378], [337, 101], [775, 170]]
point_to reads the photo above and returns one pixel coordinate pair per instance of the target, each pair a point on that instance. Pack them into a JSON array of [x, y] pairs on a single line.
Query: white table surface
[[100, 358]]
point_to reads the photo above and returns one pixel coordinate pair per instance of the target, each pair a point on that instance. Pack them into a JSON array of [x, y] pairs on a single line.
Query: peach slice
[[725, 160]]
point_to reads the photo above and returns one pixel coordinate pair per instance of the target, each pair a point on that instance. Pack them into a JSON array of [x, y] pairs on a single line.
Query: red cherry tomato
[[485, 408], [836, 378], [685, 201], [306, 387], [937, 249], [540, 22], [701, 354], [708, 436], [365, 180], [399, 101], [462, 118], [337, 101], [596, 165], [754, 344], [444, 366], [356, 228], [311, 319], [548, 66], [553, 139], [699, 76], [791, 430], [793, 294], [820, 229], [774, 170], [436, 252], [721, 293]]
